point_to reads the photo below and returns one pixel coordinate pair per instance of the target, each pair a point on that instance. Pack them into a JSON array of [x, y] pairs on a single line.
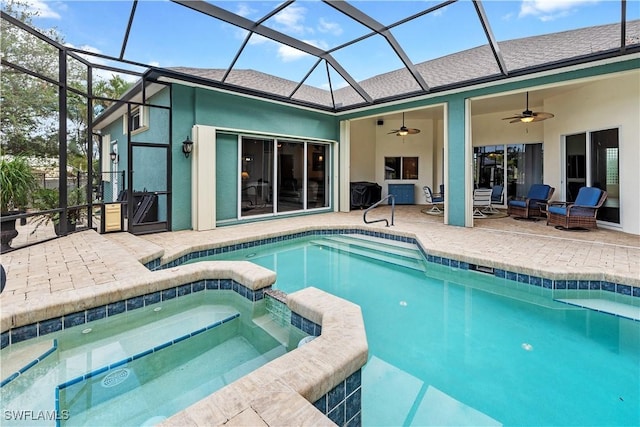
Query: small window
[[135, 120], [139, 120], [401, 168]]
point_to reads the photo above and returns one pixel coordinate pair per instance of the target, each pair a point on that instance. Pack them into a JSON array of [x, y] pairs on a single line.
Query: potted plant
[[17, 181], [46, 199]]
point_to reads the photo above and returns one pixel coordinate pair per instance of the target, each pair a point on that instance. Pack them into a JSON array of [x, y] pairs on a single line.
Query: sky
[[166, 34]]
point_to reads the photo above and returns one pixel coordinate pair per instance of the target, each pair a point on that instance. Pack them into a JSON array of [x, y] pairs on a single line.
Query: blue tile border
[[147, 352], [157, 265], [99, 371], [30, 365], [44, 327], [343, 403], [537, 281]]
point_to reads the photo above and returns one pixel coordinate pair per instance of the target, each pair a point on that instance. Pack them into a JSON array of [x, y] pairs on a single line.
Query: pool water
[[458, 347], [155, 384]]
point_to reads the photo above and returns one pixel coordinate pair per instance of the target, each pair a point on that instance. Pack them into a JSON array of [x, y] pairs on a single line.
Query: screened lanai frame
[[93, 140], [410, 79], [336, 99]]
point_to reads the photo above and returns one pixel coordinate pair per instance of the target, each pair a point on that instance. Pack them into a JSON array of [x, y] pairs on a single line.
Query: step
[[408, 250], [605, 306], [397, 259], [380, 240], [274, 328]]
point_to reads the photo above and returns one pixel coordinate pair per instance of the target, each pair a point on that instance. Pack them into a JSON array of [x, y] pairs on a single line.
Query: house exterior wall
[[363, 142], [598, 105], [606, 98], [234, 115], [419, 145]]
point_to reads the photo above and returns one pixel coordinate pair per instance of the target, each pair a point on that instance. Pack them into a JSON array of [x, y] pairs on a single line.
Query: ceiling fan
[[529, 116], [404, 131]]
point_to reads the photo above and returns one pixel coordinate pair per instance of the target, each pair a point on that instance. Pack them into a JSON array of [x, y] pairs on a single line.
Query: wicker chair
[[537, 198], [580, 214]]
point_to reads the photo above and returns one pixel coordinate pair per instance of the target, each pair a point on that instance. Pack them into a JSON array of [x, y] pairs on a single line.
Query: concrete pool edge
[[281, 392], [26, 313]]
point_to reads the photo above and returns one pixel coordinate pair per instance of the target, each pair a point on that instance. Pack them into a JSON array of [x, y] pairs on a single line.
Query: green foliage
[[46, 199], [29, 117], [29, 105], [17, 181]]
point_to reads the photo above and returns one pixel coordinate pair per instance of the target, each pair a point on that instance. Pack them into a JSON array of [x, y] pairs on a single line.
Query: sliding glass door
[[521, 168], [591, 159], [279, 176]]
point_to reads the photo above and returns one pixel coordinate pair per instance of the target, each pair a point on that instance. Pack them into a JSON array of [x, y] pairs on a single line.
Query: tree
[[30, 111], [113, 88], [28, 117]]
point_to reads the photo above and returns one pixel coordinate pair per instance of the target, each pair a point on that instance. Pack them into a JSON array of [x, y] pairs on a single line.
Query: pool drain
[[116, 377]]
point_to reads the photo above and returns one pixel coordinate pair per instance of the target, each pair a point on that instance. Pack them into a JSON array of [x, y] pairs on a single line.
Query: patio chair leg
[[477, 213]]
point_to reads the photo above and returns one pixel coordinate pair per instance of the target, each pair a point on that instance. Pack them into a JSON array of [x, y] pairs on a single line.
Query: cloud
[[43, 9], [291, 19], [243, 9], [325, 26], [548, 10], [289, 54], [101, 74]]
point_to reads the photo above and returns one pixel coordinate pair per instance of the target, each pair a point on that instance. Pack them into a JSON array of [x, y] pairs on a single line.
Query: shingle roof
[[455, 69]]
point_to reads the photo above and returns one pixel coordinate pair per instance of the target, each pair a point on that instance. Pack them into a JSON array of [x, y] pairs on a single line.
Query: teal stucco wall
[[193, 106], [456, 153]]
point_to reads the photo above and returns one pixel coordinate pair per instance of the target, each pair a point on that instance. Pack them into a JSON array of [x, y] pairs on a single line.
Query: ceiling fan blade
[[393, 131], [542, 115], [513, 117], [413, 131], [515, 121]]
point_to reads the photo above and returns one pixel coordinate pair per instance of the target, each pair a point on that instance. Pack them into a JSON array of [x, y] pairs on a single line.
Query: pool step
[[398, 253], [274, 328]]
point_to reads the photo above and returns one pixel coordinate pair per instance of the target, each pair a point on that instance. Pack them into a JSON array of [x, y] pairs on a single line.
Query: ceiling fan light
[[402, 133], [527, 119]]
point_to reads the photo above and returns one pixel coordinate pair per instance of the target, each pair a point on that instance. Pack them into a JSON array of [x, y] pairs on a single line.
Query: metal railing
[[393, 210]]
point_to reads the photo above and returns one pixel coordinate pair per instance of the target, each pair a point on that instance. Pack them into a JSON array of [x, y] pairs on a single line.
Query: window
[[400, 168], [139, 120]]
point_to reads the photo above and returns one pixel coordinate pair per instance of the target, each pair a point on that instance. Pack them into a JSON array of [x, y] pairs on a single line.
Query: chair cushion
[[496, 193], [539, 192], [588, 196], [561, 210], [558, 210], [519, 203]]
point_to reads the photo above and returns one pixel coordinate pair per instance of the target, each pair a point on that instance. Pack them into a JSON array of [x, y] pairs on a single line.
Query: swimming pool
[[142, 366], [453, 346]]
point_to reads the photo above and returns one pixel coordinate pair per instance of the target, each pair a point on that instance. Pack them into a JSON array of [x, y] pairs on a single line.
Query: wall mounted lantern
[[114, 156], [187, 146]]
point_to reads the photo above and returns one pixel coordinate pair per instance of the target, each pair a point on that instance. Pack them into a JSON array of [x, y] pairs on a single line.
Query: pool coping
[[547, 279], [281, 391], [292, 396]]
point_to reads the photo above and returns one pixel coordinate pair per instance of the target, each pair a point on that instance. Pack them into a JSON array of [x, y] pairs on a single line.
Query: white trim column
[[203, 178]]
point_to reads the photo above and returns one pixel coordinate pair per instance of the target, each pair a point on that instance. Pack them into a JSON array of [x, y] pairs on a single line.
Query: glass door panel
[[576, 165], [291, 176], [604, 172], [524, 168], [256, 175], [317, 176]]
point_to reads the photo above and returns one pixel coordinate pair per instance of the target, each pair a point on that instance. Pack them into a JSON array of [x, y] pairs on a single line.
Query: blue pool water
[[172, 366], [458, 347]]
